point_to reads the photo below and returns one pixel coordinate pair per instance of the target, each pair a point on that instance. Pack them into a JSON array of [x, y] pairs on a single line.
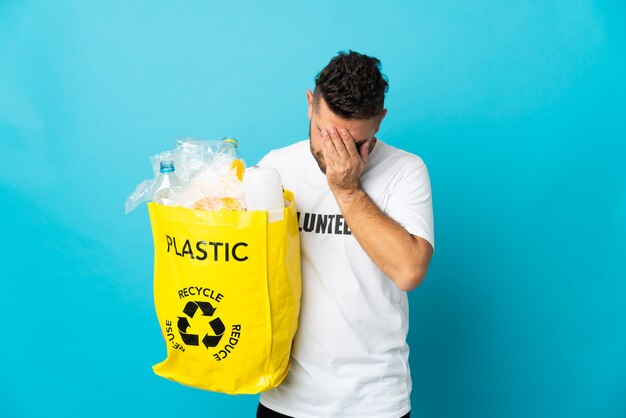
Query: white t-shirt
[[350, 355]]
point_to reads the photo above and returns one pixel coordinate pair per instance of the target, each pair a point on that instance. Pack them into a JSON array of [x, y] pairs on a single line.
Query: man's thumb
[[364, 151]]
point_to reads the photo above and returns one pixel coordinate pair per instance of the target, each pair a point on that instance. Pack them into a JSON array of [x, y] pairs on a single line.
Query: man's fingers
[[328, 149], [348, 142], [338, 143]]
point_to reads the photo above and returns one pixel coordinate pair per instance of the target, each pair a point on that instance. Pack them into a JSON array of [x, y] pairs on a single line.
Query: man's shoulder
[[285, 153], [400, 158]]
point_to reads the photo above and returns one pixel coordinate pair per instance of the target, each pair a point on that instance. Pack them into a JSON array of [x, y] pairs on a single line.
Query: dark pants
[[263, 412]]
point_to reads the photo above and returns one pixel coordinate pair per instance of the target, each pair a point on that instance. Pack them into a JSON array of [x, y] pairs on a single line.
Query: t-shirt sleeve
[[410, 201]]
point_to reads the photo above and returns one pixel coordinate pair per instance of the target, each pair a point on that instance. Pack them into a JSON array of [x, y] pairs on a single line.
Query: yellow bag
[[227, 295]]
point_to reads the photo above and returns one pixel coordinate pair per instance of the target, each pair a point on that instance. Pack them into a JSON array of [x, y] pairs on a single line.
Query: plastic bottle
[[229, 146], [166, 184]]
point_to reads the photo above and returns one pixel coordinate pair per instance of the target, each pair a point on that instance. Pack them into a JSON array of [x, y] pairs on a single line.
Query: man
[[366, 224]]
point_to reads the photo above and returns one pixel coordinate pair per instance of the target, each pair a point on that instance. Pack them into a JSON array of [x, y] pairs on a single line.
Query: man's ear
[[309, 99], [380, 119]]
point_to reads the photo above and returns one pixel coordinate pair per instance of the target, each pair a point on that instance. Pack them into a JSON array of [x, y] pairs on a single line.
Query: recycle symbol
[[216, 325]]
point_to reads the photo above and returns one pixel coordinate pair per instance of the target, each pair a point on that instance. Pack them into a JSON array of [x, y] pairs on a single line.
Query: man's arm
[[400, 255]]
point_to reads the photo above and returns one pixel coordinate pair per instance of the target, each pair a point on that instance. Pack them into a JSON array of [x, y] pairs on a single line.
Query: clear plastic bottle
[[166, 184], [229, 146]]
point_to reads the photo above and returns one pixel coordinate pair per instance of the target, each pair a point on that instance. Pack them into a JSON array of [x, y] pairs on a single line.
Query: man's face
[[321, 117]]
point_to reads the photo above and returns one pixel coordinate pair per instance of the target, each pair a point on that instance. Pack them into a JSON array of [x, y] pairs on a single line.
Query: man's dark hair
[[352, 86]]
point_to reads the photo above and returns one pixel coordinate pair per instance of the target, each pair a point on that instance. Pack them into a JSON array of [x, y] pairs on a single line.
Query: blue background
[[517, 107]]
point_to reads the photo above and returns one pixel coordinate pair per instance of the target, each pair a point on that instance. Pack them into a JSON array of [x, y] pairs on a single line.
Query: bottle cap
[[167, 166], [231, 140]]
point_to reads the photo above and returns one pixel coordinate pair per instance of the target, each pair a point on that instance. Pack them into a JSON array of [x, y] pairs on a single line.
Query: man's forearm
[[400, 255]]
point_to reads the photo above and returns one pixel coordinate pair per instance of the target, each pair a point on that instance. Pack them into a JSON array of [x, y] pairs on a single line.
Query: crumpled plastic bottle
[[208, 176], [166, 184]]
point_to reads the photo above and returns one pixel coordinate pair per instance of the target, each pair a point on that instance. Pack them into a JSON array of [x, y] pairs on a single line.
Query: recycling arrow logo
[[217, 326]]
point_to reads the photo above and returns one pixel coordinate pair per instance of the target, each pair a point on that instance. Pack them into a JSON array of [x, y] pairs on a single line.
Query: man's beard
[[319, 156]]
